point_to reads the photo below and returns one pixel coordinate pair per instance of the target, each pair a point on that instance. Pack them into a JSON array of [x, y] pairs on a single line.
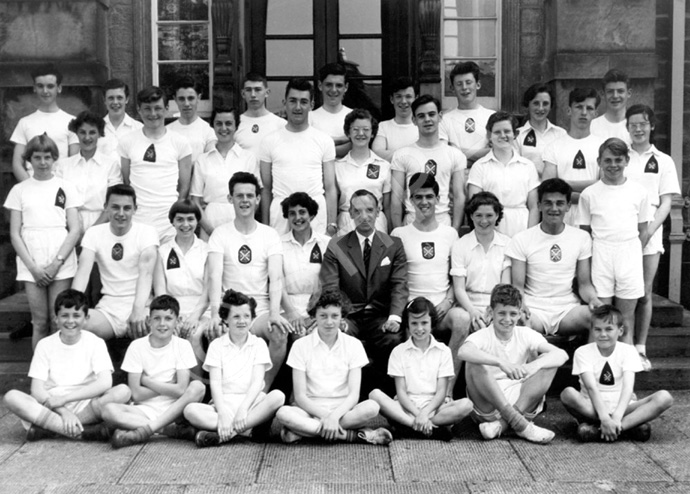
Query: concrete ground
[[465, 465]]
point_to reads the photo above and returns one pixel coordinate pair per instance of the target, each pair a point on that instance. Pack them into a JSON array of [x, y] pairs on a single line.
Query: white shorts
[[44, 245], [329, 404], [551, 319], [154, 407], [219, 213], [617, 269], [511, 390], [655, 244], [515, 220], [116, 310], [422, 401]]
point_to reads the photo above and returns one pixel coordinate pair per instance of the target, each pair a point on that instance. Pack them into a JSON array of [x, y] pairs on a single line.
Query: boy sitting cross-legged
[[326, 375], [237, 363], [605, 405], [158, 367], [505, 384], [70, 379], [422, 367]]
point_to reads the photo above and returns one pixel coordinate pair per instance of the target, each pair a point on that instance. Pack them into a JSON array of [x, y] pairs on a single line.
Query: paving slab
[[677, 416], [386, 488], [20, 489], [575, 462], [540, 488], [326, 463], [12, 436], [458, 460], [115, 489], [165, 461], [652, 488], [674, 458]]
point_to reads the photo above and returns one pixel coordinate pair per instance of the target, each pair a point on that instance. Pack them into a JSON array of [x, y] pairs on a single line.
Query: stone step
[[668, 342], [667, 313]]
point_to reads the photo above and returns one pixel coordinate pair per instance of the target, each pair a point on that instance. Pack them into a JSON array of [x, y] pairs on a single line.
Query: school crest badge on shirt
[[555, 254], [117, 252], [244, 255], [173, 261], [430, 167], [428, 250], [373, 171], [579, 162], [531, 139], [606, 378], [470, 126], [60, 198], [652, 165], [255, 128], [150, 154], [316, 257]]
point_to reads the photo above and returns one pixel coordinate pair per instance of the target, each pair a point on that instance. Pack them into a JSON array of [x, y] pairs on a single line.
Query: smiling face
[[539, 108], [297, 106], [617, 95], [484, 219], [606, 335], [254, 94], [47, 89], [427, 118], [502, 135], [640, 129], [185, 224], [402, 101], [88, 138], [505, 317], [299, 219], [333, 89], [419, 328], [120, 211], [187, 100], [162, 324], [116, 102], [245, 200], [224, 127], [153, 114], [553, 207], [582, 113], [328, 320], [239, 321], [363, 210], [424, 202], [70, 321], [613, 166], [42, 163], [360, 133], [465, 87]]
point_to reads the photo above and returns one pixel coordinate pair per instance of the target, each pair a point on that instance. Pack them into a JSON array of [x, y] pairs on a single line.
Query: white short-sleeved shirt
[[421, 368], [532, 142], [52, 123], [66, 368], [199, 134], [373, 175], [110, 142], [297, 160], [609, 381], [43, 203], [118, 257], [184, 272], [482, 270], [154, 174], [330, 123], [550, 264], [301, 267], [253, 129], [212, 173], [466, 129], [237, 363], [442, 161], [603, 128], [521, 348], [575, 159], [327, 369], [613, 211], [397, 135], [245, 259], [655, 171], [428, 260]]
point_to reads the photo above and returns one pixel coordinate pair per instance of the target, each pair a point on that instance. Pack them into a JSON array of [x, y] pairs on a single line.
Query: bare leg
[[578, 406], [27, 408], [452, 413], [94, 412], [646, 409], [54, 289], [458, 322], [643, 312], [576, 321], [99, 325], [391, 409], [627, 308], [277, 347], [38, 304], [534, 389]]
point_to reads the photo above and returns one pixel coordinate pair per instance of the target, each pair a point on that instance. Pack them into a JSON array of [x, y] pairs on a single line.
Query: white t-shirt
[[603, 128], [110, 142], [550, 264], [466, 129], [199, 134], [118, 257], [613, 211], [442, 161], [330, 123], [184, 273], [66, 368], [373, 175], [237, 363], [428, 260], [43, 203], [531, 142], [253, 129], [655, 171], [245, 259], [301, 267], [52, 123], [397, 135], [212, 173], [575, 159]]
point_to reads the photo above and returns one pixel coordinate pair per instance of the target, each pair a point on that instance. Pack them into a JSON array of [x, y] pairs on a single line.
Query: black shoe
[[588, 433], [184, 431], [205, 439], [442, 433], [641, 433], [36, 433], [98, 432]]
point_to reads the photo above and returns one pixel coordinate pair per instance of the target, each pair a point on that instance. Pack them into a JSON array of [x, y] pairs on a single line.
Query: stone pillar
[[225, 63], [429, 16]]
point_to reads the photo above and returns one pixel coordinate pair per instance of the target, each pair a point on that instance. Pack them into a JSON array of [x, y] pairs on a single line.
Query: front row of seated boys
[[509, 369]]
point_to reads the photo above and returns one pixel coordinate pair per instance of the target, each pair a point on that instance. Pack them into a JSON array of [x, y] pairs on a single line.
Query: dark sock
[[514, 418], [139, 435], [96, 432]]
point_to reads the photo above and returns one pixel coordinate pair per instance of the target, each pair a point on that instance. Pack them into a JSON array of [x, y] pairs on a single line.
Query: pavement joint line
[[651, 458], [524, 465], [126, 469], [261, 464]]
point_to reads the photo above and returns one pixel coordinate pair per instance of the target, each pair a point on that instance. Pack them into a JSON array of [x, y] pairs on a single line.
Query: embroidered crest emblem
[[428, 250], [531, 139], [60, 198], [555, 253], [579, 161], [652, 165], [117, 252], [150, 154], [255, 128], [469, 126], [606, 378], [244, 255], [373, 171], [430, 167], [315, 257], [173, 261]]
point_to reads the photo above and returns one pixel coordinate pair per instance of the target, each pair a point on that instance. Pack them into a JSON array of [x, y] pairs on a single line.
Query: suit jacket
[[384, 290]]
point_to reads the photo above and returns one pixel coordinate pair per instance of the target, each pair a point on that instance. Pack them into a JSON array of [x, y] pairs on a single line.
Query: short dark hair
[[331, 297], [165, 302], [47, 69], [615, 75], [116, 84], [419, 306], [244, 178], [71, 299], [579, 94], [400, 83], [501, 116], [40, 144], [505, 294], [607, 313], [364, 193], [121, 190], [186, 83], [423, 100], [421, 180], [554, 186], [151, 94], [255, 77], [87, 117], [332, 69], [299, 199], [535, 89], [299, 84], [184, 206], [231, 298], [225, 109], [617, 147], [645, 110], [465, 68], [360, 114], [484, 198]]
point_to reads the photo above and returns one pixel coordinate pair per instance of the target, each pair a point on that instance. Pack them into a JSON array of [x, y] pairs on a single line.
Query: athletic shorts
[[655, 244], [511, 390], [551, 319], [617, 269], [116, 310], [155, 407]]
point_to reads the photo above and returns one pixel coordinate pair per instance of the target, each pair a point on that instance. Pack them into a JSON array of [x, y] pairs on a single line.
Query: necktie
[[366, 254]]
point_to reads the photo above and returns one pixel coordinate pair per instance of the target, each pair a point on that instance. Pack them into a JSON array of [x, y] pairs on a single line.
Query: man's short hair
[[151, 94], [554, 186], [484, 198], [116, 84], [184, 206], [255, 77], [244, 178], [299, 84], [465, 68], [71, 299], [364, 193], [501, 116], [535, 89], [401, 83], [360, 114], [299, 199], [607, 313], [579, 94], [505, 294], [87, 117], [231, 298], [615, 75], [421, 180], [121, 190], [165, 302], [332, 69], [40, 144], [225, 109], [423, 100], [331, 297], [645, 110], [617, 146], [47, 69], [186, 83]]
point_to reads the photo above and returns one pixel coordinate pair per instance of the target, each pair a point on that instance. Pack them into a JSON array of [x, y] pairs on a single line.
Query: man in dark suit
[[370, 268]]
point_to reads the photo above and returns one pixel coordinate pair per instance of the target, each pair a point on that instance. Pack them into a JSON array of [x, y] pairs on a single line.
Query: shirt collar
[[289, 237], [373, 158], [409, 345], [361, 238], [226, 341], [498, 239], [316, 339]]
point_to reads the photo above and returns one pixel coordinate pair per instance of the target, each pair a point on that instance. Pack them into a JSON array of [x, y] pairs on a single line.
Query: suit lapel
[[378, 249], [354, 251]]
